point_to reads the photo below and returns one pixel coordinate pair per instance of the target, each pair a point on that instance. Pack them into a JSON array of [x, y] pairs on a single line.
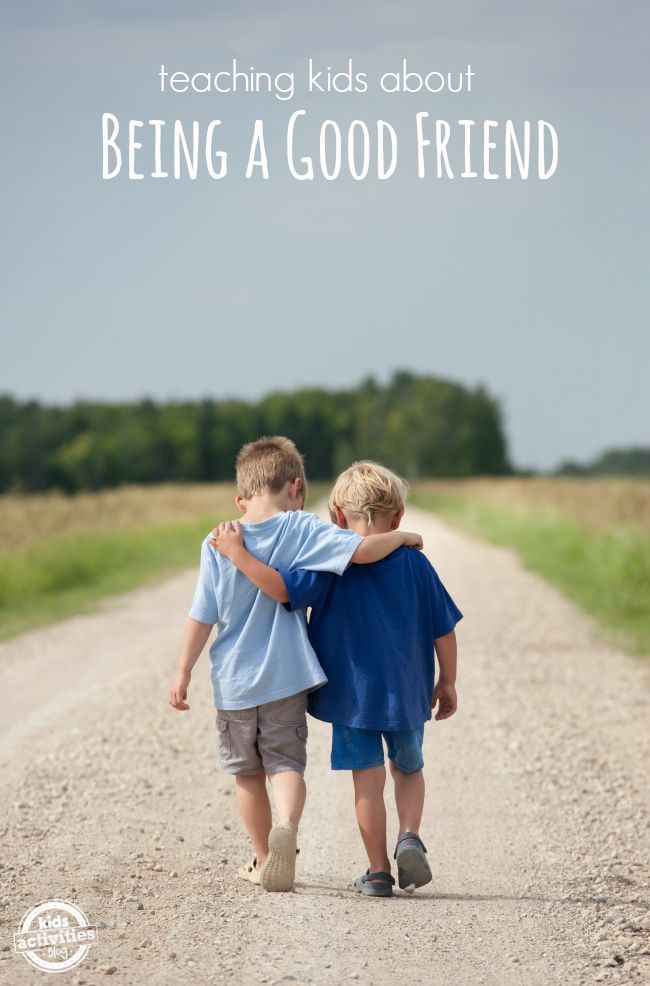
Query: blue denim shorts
[[358, 749]]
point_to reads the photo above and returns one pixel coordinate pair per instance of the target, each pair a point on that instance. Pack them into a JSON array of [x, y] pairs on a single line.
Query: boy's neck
[[380, 523], [265, 506]]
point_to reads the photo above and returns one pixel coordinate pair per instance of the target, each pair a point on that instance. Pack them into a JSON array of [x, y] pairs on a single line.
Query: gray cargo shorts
[[271, 737]]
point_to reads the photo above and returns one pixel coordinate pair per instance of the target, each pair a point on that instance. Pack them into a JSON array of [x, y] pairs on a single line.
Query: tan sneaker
[[250, 872], [279, 869]]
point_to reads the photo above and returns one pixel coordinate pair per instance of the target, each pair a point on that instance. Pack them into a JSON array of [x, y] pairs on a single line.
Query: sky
[[118, 289]]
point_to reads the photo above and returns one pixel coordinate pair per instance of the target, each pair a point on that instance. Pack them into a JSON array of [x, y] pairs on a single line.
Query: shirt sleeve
[[204, 604], [327, 548], [446, 613], [304, 587]]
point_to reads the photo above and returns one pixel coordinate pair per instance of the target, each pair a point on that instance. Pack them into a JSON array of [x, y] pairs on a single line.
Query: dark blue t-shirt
[[373, 630]]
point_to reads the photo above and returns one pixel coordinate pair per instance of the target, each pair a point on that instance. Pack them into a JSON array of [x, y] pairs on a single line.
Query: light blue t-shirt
[[262, 651]]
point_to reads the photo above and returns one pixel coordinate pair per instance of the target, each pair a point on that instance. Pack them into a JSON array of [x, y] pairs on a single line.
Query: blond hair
[[267, 465], [368, 488]]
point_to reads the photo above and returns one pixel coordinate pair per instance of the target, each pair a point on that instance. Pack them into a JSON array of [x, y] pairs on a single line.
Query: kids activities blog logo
[[54, 936]]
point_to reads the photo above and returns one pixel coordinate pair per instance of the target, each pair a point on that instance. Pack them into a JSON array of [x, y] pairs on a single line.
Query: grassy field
[[589, 537], [25, 519], [61, 554]]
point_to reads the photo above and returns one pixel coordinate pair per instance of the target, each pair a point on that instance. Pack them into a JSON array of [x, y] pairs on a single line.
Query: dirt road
[[536, 820]]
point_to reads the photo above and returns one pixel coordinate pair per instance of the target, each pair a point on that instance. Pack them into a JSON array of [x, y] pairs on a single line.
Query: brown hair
[[367, 488], [265, 466]]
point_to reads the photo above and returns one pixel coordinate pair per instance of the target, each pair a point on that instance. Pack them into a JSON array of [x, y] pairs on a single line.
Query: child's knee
[[398, 771]]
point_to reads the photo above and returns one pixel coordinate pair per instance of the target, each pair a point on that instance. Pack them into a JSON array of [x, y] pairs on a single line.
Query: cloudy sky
[[119, 289]]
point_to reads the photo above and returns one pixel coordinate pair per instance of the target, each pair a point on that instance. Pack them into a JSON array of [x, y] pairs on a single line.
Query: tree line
[[631, 461], [418, 425]]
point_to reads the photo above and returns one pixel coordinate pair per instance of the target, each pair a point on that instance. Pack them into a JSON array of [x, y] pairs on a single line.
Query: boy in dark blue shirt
[[374, 630]]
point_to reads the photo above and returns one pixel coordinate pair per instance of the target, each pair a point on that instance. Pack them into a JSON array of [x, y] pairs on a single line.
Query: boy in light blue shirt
[[262, 664]]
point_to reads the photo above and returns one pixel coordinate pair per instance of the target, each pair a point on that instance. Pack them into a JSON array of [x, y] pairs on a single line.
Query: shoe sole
[[413, 869], [279, 870]]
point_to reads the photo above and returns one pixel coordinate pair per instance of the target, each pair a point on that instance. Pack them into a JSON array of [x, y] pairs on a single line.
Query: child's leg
[[282, 743], [406, 763], [279, 870], [239, 755], [361, 751], [405, 753], [289, 794], [371, 815], [409, 798], [255, 811]]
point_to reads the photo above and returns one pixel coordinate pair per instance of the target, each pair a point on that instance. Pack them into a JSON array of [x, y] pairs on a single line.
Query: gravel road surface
[[536, 820]]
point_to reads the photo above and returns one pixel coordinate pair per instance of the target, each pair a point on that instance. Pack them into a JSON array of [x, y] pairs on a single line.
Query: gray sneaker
[[413, 869], [379, 884]]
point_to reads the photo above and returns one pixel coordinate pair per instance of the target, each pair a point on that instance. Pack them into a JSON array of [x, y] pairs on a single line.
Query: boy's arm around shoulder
[[294, 588], [329, 548], [374, 547], [229, 541]]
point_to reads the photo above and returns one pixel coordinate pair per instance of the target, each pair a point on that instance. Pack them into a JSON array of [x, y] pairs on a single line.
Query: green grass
[[606, 570], [60, 575], [68, 573]]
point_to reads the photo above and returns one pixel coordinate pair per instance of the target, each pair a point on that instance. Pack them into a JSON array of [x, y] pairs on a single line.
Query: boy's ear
[[241, 504], [341, 519], [396, 520], [297, 488]]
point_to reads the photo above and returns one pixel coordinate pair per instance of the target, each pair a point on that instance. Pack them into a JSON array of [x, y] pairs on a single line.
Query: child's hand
[[413, 540], [178, 691], [227, 538], [444, 696]]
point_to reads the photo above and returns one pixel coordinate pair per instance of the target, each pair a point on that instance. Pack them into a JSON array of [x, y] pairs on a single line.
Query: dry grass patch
[[595, 502], [30, 518]]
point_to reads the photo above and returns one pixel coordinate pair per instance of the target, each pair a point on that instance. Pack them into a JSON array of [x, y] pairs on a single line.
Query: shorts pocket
[[302, 732], [223, 727]]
